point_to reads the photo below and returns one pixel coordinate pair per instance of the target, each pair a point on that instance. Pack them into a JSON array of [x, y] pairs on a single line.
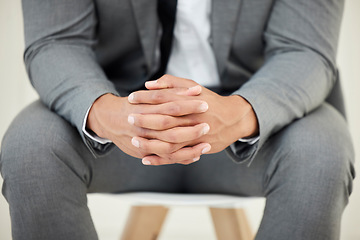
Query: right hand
[[109, 118]]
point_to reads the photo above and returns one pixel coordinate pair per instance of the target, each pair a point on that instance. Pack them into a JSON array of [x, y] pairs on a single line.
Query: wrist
[[98, 113], [246, 120]]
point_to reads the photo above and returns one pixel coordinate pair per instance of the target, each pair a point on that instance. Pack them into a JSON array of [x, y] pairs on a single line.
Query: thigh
[[48, 171], [39, 140], [316, 145]]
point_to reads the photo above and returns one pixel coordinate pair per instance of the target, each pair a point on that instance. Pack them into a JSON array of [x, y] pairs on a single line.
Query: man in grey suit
[[271, 101]]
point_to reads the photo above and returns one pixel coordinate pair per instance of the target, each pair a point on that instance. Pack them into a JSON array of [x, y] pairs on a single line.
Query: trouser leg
[[305, 171], [308, 186], [48, 171]]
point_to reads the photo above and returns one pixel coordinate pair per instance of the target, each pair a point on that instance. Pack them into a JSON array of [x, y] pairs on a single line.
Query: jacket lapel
[[223, 20], [145, 12]]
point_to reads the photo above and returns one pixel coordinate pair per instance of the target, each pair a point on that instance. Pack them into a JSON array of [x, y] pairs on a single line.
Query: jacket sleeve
[[60, 61], [299, 71]]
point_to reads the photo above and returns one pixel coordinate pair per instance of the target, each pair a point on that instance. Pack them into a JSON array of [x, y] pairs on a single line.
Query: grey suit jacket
[[277, 54]]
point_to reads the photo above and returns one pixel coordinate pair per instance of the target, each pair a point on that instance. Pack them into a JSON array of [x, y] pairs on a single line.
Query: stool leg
[[144, 222], [231, 224]]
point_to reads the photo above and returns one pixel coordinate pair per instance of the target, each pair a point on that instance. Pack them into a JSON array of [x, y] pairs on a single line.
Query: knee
[[30, 142], [323, 163], [316, 153]]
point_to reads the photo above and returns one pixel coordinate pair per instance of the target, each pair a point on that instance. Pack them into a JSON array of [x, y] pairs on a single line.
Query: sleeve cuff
[[250, 141], [91, 134]]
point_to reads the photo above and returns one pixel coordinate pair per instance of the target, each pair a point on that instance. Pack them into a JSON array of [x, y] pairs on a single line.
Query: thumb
[[190, 87], [169, 81]]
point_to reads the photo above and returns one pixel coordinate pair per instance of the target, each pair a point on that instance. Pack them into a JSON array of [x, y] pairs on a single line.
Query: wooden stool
[[148, 214]]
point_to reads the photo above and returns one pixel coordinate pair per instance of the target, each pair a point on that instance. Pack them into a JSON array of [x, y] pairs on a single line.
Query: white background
[[183, 223]]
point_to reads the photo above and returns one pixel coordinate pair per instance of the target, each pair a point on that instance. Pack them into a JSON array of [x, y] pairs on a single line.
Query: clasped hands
[[174, 121]]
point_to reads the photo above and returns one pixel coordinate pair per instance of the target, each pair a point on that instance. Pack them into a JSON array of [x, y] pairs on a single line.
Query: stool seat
[[177, 199]]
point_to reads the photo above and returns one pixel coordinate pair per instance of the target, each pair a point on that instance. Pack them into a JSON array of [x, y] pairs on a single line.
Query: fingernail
[[196, 88], [131, 97], [205, 129], [151, 83], [146, 162], [203, 107], [196, 159], [131, 120], [135, 142], [206, 149]]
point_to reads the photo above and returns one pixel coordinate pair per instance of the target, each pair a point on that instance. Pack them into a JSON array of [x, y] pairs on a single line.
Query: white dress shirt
[[191, 56]]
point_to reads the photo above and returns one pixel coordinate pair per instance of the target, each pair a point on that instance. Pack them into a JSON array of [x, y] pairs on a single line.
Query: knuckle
[[164, 122], [167, 158], [141, 153], [171, 158], [157, 97], [194, 154], [139, 121], [174, 109], [166, 149], [171, 148], [198, 133], [144, 145], [165, 77], [191, 120], [145, 133], [141, 132]]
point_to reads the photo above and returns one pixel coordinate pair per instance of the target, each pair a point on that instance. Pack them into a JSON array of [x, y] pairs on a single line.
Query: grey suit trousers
[[305, 171]]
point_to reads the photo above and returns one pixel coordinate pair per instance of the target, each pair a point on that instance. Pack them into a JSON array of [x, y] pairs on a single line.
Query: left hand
[[229, 117]]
